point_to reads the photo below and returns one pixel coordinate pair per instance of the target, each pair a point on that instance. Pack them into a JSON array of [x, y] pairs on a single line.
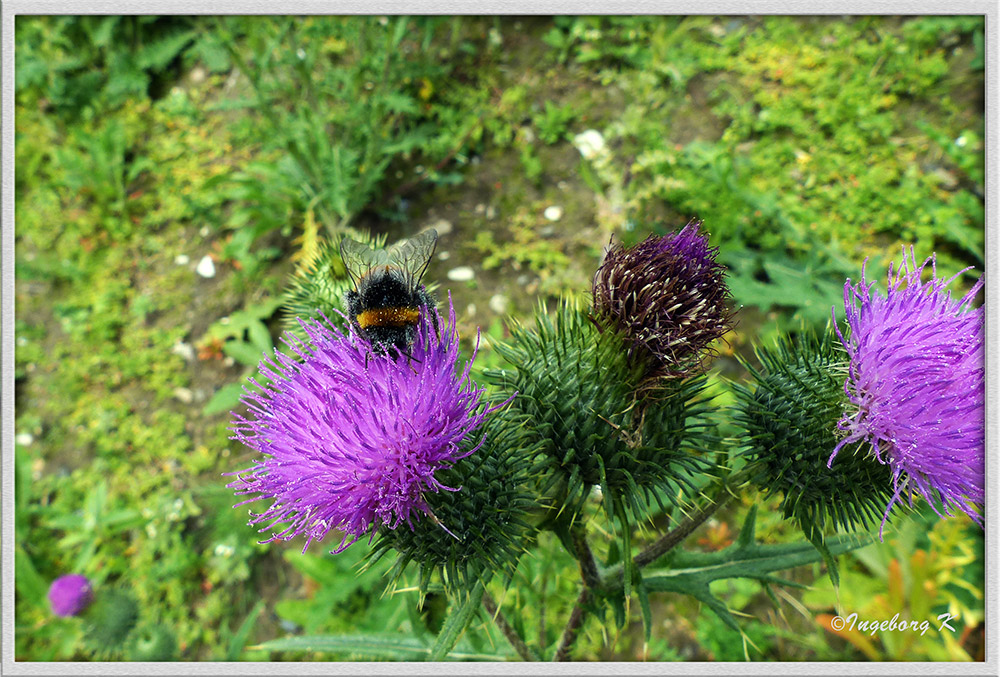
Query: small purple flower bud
[[917, 385], [667, 296], [70, 594]]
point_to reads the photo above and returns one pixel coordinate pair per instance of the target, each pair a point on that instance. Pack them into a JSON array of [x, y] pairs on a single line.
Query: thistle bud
[[152, 643], [668, 297], [110, 619], [316, 289], [70, 594], [478, 528], [580, 391]]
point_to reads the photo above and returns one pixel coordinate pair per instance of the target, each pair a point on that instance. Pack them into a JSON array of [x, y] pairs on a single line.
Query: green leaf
[[156, 55], [225, 398], [383, 646], [748, 531], [260, 337], [693, 572], [647, 615], [461, 613], [239, 640], [789, 283], [101, 36], [244, 353], [27, 581]]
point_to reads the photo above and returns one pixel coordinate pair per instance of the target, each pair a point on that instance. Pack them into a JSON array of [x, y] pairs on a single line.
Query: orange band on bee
[[398, 316]]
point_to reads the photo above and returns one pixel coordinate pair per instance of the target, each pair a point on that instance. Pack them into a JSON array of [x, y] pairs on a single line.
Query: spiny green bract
[[486, 515], [790, 415], [110, 619], [152, 643], [601, 422], [317, 287]]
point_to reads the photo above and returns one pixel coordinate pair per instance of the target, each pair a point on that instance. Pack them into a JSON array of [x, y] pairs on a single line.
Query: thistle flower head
[[916, 385], [70, 594], [667, 296], [486, 521], [352, 438], [789, 412]]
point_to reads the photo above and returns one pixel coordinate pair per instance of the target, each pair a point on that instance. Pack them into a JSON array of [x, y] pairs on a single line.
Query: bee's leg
[[410, 358]]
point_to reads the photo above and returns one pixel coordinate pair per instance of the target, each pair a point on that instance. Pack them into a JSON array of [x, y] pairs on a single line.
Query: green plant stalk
[[572, 627], [744, 559], [519, 645], [675, 536], [588, 566]]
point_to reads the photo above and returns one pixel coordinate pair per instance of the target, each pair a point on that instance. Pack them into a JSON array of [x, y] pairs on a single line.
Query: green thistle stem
[[583, 554], [522, 649], [594, 581], [675, 536], [572, 627]]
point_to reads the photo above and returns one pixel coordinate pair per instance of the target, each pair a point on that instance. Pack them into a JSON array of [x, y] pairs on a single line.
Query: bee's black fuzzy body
[[386, 310]]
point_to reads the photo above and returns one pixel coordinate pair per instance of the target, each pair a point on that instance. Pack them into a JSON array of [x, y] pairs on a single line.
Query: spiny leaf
[[379, 646], [461, 613], [693, 572]]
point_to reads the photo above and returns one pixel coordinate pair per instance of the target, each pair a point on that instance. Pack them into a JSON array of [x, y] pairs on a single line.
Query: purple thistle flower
[[668, 297], [351, 437], [916, 380], [70, 594]]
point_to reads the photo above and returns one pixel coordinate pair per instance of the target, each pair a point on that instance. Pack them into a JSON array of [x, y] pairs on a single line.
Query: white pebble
[[499, 304], [182, 259], [553, 213], [590, 144], [444, 256], [185, 350], [461, 274], [442, 226], [206, 267], [184, 395]]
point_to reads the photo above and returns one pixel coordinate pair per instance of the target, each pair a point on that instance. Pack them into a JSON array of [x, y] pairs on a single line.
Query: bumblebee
[[387, 297]]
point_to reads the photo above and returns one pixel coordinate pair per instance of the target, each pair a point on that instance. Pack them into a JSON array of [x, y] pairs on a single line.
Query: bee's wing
[[413, 255], [359, 258]]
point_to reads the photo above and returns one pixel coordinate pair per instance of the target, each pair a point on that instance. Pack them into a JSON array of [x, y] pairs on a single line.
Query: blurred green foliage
[[145, 143], [822, 143]]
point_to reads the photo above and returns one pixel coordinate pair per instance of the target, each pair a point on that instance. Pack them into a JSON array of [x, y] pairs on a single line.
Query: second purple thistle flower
[[916, 383], [352, 438]]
